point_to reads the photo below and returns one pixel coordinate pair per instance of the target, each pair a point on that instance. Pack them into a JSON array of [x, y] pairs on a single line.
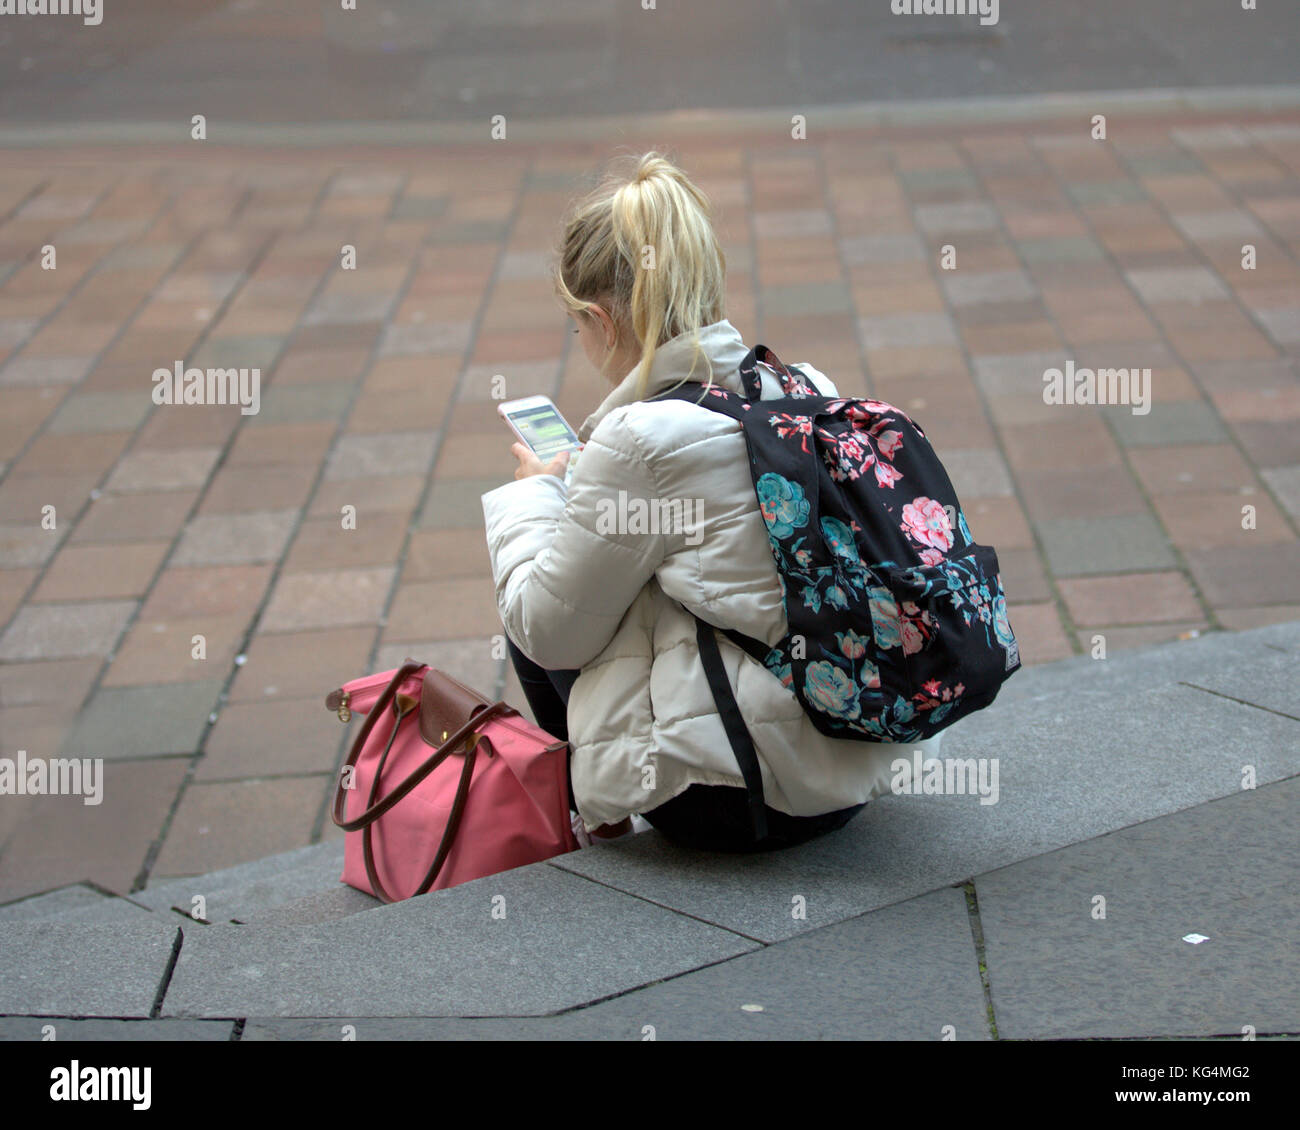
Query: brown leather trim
[[446, 704], [373, 810]]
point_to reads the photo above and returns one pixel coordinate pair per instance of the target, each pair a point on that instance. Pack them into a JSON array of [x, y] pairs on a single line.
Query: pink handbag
[[465, 787]]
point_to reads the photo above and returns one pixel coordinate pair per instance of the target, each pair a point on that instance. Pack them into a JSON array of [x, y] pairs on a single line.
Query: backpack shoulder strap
[[793, 382], [718, 399], [742, 744], [756, 649]]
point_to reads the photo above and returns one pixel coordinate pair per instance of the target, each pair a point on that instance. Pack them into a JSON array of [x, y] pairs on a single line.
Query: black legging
[[705, 817]]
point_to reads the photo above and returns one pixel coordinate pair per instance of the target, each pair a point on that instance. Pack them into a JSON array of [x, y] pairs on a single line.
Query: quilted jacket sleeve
[[567, 569]]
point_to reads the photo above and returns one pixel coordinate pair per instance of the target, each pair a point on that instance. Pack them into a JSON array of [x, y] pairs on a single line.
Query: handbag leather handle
[[364, 822], [448, 833], [400, 676], [373, 812]]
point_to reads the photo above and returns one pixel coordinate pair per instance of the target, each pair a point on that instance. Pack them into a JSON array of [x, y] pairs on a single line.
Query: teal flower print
[[783, 505], [852, 645], [1001, 624], [831, 690], [840, 538], [884, 617]]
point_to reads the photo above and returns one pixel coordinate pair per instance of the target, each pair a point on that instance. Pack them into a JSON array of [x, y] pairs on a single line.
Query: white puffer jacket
[[582, 582]]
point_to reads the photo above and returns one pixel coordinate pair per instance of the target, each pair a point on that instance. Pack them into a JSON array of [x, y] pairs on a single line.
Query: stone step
[[1220, 873], [1183, 683], [1191, 661], [532, 940], [75, 969], [1078, 765], [78, 902], [311, 910], [567, 959], [25, 1028], [1071, 763], [236, 894]]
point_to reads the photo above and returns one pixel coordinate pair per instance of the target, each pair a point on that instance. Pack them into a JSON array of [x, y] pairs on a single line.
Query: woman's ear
[[604, 325]]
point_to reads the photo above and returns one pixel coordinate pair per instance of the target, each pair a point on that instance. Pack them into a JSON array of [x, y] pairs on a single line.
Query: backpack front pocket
[[952, 628]]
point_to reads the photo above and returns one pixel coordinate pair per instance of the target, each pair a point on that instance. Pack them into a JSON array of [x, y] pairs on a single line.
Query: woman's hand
[[529, 464]]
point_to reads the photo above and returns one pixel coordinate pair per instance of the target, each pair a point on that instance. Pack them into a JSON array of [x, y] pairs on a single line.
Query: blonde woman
[[597, 604]]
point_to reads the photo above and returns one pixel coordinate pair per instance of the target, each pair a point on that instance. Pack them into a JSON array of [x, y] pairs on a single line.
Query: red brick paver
[[284, 552]]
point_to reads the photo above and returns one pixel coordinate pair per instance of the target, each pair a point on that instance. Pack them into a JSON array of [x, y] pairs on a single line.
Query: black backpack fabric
[[897, 619]]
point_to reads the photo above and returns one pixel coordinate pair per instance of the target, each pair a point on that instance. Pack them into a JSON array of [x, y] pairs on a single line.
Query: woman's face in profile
[[592, 337], [596, 331]]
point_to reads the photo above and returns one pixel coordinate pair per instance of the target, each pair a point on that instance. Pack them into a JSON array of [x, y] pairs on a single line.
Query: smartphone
[[536, 421]]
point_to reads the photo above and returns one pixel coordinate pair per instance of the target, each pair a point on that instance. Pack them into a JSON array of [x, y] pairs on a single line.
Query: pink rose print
[[787, 425], [913, 640], [889, 443], [886, 476], [925, 521]]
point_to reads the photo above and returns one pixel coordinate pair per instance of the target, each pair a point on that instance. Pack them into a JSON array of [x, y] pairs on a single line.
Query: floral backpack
[[897, 619]]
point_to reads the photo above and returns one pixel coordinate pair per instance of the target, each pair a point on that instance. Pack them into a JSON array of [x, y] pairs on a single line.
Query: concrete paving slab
[[556, 941], [1269, 680], [1223, 871], [902, 973], [69, 969], [74, 904], [341, 902], [1070, 767], [19, 1028], [251, 888], [839, 983], [75, 897], [1191, 661], [338, 1029]]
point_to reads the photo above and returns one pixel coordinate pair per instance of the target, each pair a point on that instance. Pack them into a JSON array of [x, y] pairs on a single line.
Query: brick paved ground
[[171, 522]]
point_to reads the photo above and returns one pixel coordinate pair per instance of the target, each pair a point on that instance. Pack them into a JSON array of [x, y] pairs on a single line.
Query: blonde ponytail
[[642, 244]]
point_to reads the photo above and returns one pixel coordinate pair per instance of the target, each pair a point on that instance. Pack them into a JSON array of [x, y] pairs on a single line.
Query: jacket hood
[[720, 342]]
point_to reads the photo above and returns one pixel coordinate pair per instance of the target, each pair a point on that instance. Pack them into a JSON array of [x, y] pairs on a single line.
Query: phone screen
[[544, 430]]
